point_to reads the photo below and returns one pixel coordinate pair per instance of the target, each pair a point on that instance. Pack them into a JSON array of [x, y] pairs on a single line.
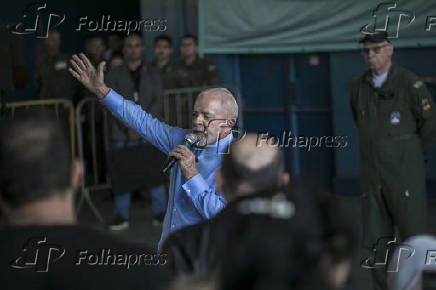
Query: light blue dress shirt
[[190, 201]]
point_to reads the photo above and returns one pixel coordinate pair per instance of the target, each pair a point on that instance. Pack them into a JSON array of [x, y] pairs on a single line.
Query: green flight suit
[[396, 125]]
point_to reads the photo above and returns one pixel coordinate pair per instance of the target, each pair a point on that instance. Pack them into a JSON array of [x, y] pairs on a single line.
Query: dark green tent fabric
[[286, 26]]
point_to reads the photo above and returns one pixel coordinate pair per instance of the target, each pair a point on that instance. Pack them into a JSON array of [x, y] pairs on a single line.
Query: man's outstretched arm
[[159, 134]]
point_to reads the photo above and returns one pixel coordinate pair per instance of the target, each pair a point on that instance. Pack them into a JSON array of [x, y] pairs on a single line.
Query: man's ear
[[77, 170], [390, 49], [229, 124]]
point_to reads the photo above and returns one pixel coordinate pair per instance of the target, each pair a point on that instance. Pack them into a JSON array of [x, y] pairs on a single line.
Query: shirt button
[[175, 210], [172, 226], [188, 190]]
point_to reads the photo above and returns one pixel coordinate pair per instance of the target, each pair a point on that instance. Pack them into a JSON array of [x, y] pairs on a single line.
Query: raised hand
[[87, 75]]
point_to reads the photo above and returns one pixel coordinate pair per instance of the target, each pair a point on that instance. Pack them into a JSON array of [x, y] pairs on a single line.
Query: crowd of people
[[144, 82], [189, 71], [234, 218], [271, 234]]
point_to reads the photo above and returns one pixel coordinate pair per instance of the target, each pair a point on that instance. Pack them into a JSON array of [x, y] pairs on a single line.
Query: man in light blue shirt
[[192, 196]]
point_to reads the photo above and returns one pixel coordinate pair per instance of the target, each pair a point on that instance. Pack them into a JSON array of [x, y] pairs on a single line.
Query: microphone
[[190, 139]]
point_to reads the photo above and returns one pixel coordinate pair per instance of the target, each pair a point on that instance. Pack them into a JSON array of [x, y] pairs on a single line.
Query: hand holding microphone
[[183, 154]]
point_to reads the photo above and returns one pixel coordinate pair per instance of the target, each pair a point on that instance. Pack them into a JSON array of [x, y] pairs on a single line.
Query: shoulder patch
[[417, 84], [425, 104]]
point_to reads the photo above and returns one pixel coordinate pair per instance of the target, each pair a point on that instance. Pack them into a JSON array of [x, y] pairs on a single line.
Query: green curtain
[[285, 26]]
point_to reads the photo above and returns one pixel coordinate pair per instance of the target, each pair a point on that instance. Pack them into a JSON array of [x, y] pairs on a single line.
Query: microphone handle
[[171, 161], [169, 164]]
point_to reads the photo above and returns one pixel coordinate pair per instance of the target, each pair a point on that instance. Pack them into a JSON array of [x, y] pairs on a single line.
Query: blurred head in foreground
[[300, 238], [249, 168], [38, 177]]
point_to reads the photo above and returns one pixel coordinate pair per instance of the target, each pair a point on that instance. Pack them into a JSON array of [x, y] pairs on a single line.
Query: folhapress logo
[[386, 15], [384, 251], [38, 254], [38, 20]]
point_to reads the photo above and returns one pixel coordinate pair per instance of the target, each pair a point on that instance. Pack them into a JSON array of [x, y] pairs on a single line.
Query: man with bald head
[[193, 196], [247, 171], [249, 168]]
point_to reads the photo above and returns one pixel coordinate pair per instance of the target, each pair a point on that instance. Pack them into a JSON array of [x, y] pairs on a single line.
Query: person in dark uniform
[[395, 117], [193, 71], [52, 78], [162, 51]]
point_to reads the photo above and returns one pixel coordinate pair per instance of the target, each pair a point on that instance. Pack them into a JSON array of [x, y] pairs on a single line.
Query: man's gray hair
[[230, 103]]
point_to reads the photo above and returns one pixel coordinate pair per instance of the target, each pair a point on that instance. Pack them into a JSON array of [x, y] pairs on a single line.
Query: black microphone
[[190, 139]]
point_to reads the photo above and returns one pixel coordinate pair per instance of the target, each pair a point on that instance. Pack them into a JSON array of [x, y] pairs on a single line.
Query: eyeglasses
[[375, 49], [206, 119], [208, 123]]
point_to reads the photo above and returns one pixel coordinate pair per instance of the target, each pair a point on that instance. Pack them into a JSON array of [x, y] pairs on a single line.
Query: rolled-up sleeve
[[133, 116], [205, 198]]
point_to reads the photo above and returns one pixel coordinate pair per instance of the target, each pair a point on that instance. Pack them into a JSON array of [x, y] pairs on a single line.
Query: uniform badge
[[417, 85], [59, 65], [395, 118], [425, 104]]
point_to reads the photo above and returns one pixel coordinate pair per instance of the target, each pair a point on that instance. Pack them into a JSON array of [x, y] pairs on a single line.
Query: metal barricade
[[42, 104], [86, 112]]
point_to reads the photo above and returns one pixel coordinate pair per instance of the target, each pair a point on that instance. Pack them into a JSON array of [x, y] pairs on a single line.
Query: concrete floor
[[141, 229]]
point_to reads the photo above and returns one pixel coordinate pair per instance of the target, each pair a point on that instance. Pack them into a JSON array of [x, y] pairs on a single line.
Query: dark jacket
[[150, 93]]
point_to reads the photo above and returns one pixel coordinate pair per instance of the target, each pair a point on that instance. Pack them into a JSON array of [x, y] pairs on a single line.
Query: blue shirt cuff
[[195, 185], [112, 100]]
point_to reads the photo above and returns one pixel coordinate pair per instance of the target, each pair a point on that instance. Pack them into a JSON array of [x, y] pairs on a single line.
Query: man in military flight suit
[[395, 116]]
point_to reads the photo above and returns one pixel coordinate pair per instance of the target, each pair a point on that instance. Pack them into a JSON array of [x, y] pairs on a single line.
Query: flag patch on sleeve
[[425, 104]]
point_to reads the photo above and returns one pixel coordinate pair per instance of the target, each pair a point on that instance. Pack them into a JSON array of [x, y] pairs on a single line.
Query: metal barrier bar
[[94, 144], [178, 109], [85, 189], [191, 97], [56, 102], [166, 108]]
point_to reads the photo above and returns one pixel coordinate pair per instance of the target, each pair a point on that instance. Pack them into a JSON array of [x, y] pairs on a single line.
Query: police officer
[[395, 117], [193, 71]]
